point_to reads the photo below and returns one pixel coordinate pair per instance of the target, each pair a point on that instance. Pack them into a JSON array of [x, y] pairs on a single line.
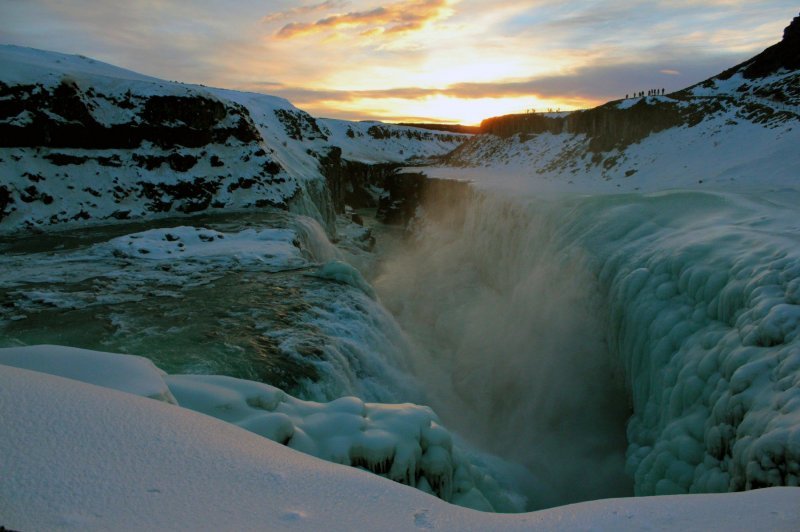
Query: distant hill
[[738, 125], [454, 128], [84, 141]]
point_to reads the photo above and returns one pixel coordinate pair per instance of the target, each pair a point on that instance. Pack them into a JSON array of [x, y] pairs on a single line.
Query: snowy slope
[[85, 141], [76, 456], [736, 130]]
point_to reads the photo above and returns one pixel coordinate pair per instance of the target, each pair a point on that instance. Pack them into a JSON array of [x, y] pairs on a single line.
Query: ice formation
[[691, 299], [403, 442], [705, 314], [343, 272]]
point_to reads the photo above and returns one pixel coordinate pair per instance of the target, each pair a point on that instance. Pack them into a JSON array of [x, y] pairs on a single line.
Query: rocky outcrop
[[453, 128], [784, 55], [384, 131], [411, 194], [353, 183], [299, 125], [78, 148], [85, 142], [607, 126], [763, 91], [64, 117]]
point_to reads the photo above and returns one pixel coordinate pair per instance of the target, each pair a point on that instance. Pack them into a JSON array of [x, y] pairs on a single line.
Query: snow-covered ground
[[78, 456], [721, 153], [82, 141]]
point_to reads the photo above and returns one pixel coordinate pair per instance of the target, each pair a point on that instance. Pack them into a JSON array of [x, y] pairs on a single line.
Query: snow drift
[[77, 456]]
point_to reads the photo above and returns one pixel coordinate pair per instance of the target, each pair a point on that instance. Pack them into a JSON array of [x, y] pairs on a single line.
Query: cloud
[[328, 5], [591, 84], [399, 17]]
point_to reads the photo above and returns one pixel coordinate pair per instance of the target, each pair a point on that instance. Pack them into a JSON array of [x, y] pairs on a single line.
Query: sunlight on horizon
[[439, 108], [447, 61]]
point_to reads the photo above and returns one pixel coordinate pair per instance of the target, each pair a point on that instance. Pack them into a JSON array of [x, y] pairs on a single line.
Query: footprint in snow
[[422, 520]]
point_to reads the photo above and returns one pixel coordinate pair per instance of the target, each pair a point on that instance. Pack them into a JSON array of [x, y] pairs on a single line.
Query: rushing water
[[605, 344], [206, 314], [645, 342]]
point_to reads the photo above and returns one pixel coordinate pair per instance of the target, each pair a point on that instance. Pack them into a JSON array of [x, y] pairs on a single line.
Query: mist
[[510, 345]]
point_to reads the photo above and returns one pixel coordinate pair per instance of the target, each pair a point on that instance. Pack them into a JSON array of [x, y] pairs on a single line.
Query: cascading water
[[512, 345], [544, 331], [545, 326]]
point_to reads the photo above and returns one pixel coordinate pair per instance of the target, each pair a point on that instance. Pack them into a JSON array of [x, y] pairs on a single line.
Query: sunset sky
[[410, 60]]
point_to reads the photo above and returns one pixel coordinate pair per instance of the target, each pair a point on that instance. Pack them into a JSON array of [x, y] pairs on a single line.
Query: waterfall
[[550, 331], [512, 345]]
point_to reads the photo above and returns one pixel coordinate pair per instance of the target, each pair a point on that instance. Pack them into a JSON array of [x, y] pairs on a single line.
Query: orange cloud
[[304, 10], [399, 17]]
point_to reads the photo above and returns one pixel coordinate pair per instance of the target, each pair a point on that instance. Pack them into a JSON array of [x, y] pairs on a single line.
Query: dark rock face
[[406, 193], [381, 132], [453, 128], [299, 125], [62, 118], [607, 126], [354, 183], [5, 201], [785, 54], [195, 113]]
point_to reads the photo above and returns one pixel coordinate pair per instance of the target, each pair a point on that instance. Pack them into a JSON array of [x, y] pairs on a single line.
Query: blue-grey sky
[[442, 60]]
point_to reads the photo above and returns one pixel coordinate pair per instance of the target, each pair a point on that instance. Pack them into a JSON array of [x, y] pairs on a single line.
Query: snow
[[736, 140], [276, 249], [673, 286], [746, 156], [126, 373], [281, 168], [20, 65], [76, 456], [402, 442], [649, 100]]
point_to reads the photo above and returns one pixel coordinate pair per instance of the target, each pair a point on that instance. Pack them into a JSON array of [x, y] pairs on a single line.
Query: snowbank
[[274, 249], [77, 456], [402, 442], [126, 373]]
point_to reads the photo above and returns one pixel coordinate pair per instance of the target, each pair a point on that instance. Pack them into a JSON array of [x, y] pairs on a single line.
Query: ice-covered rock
[[402, 442]]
